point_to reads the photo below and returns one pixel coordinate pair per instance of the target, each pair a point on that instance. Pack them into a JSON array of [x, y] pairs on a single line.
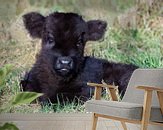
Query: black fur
[[118, 74], [61, 70]]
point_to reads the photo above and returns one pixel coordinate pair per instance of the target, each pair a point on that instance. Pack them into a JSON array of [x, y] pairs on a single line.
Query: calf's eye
[[50, 43], [79, 43], [50, 40]]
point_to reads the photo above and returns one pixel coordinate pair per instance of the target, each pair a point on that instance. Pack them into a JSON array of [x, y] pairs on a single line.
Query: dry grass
[[18, 49]]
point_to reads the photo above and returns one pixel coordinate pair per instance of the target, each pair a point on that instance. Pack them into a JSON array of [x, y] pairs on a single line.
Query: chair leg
[[124, 125], [146, 110], [144, 126], [94, 122]]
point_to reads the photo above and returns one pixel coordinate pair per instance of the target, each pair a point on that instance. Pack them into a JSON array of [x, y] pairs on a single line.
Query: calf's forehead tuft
[[65, 22]]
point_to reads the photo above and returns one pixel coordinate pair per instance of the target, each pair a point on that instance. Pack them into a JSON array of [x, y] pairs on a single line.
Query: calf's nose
[[65, 61]]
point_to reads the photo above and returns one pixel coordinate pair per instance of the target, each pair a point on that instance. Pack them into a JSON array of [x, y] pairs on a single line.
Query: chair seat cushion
[[125, 110]]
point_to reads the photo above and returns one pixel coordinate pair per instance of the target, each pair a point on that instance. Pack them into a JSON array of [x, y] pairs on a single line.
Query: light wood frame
[[146, 106]]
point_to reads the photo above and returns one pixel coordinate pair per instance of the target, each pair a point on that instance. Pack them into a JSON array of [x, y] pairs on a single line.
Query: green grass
[[139, 46], [12, 88], [64, 108]]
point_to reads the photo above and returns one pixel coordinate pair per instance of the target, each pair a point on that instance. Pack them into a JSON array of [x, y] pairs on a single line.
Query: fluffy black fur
[[61, 70], [118, 74]]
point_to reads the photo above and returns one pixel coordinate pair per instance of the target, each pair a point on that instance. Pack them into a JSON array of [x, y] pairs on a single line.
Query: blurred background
[[134, 33]]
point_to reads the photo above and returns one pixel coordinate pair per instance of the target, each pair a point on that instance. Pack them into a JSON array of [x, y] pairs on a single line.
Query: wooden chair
[[141, 104]]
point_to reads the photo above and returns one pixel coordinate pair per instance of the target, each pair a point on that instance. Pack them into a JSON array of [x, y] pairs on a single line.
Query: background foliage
[[134, 35]]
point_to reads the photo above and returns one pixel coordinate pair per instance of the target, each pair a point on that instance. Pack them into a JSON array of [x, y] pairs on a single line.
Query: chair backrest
[[143, 77]]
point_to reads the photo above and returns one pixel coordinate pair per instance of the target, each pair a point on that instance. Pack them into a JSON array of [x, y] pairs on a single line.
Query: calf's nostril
[[65, 61]]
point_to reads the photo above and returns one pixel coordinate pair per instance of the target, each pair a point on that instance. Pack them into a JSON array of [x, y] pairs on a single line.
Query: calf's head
[[64, 36]]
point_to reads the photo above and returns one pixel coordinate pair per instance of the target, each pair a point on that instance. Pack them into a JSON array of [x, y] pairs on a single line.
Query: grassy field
[[140, 46]]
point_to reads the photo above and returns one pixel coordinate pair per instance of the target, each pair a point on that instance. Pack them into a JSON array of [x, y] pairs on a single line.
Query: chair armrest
[[148, 101], [102, 85], [147, 88], [160, 98], [98, 88]]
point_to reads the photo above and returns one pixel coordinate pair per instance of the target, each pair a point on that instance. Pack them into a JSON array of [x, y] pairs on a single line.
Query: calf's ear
[[34, 24], [96, 29]]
